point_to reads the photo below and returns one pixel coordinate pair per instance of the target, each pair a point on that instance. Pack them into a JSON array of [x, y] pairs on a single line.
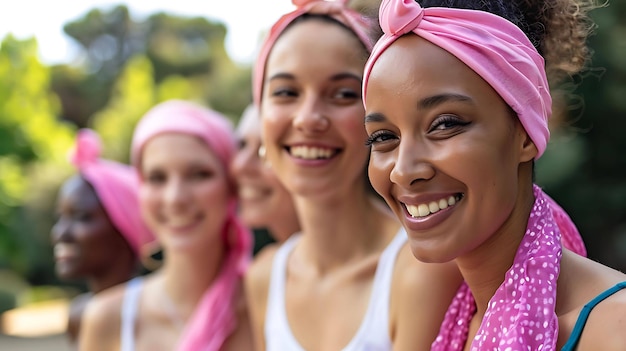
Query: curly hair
[[558, 28]]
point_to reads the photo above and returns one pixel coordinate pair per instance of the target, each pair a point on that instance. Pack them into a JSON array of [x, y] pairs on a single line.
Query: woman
[[457, 108], [347, 281], [194, 301], [264, 201], [99, 231]]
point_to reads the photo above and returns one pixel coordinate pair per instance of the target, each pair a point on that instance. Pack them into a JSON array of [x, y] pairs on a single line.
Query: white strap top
[[373, 333], [130, 307]]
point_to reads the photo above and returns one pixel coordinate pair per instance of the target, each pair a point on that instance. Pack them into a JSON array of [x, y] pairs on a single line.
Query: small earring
[[262, 156], [261, 152]]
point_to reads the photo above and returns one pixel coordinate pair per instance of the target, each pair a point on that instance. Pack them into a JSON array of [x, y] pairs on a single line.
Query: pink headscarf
[[214, 318], [490, 45], [521, 314], [116, 186], [337, 10]]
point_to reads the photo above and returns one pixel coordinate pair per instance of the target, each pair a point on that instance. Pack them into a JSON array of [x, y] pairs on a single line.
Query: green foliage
[[30, 138]]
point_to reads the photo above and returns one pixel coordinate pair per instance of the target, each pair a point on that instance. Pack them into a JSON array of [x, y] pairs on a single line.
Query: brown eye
[[446, 122]]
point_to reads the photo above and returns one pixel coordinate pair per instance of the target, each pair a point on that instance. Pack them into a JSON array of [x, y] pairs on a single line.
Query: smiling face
[[312, 111], [446, 150], [184, 192], [263, 199], [84, 239]]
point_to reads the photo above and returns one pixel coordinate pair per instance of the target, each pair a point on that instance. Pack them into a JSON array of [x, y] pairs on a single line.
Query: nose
[[412, 164], [176, 194], [60, 230], [310, 117]]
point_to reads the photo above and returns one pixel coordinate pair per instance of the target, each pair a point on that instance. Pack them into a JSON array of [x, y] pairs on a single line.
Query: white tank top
[[373, 333], [130, 306]]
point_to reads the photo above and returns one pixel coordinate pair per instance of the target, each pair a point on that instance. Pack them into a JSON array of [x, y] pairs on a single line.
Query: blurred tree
[[175, 46], [32, 141]]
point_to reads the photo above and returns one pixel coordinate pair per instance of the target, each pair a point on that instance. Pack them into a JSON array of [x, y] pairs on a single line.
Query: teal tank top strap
[[572, 342]]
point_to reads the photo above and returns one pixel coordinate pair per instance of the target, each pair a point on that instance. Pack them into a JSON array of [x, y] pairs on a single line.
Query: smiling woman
[[182, 152], [458, 102], [347, 280]]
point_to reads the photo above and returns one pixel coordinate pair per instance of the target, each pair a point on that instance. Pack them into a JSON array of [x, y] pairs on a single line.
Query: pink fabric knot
[[400, 17], [88, 148], [116, 185]]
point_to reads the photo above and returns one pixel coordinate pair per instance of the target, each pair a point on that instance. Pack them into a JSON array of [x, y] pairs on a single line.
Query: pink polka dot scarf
[[520, 316]]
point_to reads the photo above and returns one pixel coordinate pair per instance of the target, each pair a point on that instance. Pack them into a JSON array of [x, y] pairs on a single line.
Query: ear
[[528, 150]]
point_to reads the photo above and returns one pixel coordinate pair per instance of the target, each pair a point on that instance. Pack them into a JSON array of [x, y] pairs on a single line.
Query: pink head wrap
[[116, 186], [520, 315], [490, 45], [214, 318], [337, 10]]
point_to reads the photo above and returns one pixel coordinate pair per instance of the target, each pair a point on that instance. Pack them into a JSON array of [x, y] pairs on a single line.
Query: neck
[[343, 229], [485, 267], [120, 270], [186, 276], [282, 229]]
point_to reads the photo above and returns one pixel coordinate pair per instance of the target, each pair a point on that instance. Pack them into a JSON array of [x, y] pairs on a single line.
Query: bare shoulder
[[581, 281], [606, 327], [100, 327], [258, 275], [420, 296]]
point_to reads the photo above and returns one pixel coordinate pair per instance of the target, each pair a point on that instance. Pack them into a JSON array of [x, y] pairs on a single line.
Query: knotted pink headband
[[214, 318], [116, 186], [337, 10], [493, 47]]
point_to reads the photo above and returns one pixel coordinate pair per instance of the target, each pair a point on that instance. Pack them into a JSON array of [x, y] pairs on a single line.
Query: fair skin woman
[[264, 201], [185, 189], [311, 111], [439, 130]]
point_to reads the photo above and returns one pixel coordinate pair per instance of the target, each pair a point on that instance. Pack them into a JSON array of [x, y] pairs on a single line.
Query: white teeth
[[249, 192], [64, 250], [451, 200], [311, 153], [443, 203], [423, 210]]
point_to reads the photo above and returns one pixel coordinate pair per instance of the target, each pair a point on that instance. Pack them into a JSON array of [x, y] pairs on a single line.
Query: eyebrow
[[435, 100], [336, 77], [375, 118], [346, 75], [281, 76]]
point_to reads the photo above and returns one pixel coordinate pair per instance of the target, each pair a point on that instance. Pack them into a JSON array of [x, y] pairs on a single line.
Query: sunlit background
[[101, 64]]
